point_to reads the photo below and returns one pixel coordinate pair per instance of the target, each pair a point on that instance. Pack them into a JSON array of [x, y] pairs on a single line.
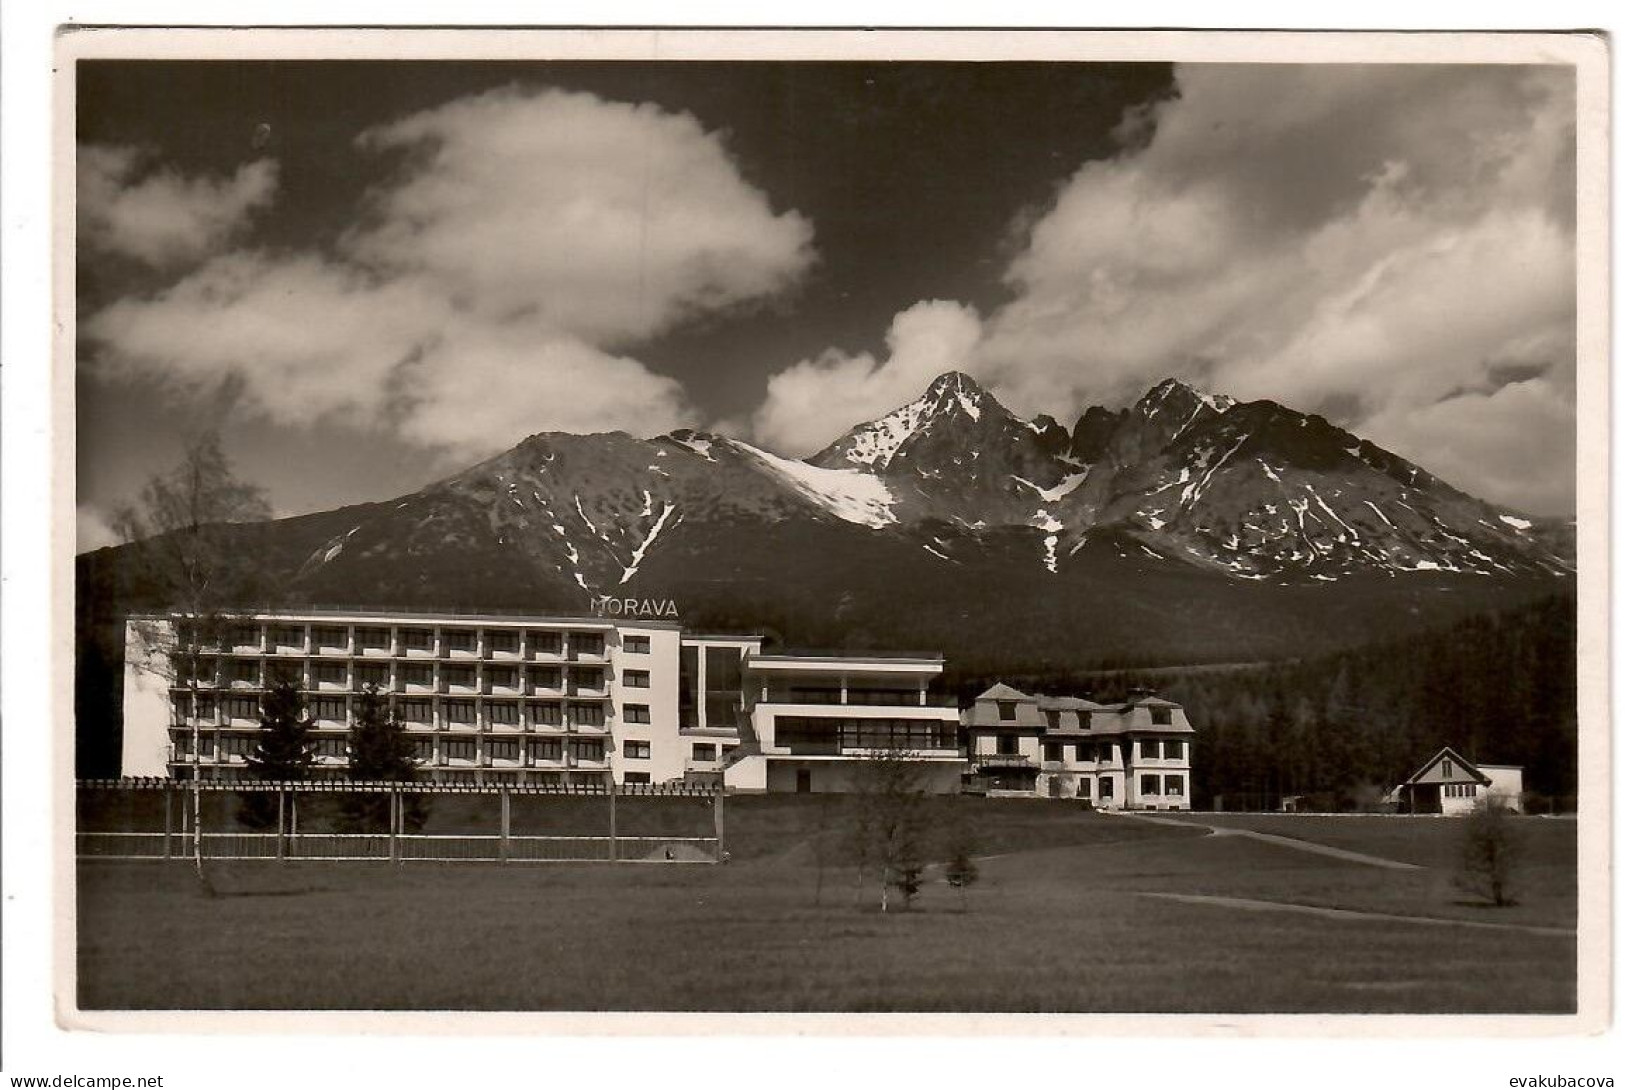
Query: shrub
[[1489, 853]]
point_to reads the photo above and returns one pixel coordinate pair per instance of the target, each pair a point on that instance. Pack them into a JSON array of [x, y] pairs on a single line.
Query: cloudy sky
[[375, 273]]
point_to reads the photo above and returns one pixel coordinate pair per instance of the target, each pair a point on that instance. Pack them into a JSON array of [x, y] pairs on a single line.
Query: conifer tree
[[283, 749], [380, 750], [379, 747]]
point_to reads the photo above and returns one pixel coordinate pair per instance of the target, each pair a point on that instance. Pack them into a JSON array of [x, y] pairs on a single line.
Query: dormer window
[[1162, 717], [1054, 718], [1007, 710]]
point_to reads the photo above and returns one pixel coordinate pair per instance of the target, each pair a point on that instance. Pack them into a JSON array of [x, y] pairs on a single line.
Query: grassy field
[[1067, 917]]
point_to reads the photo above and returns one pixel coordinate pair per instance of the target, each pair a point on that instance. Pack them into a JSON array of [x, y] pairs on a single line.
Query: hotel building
[[1134, 755], [584, 702], [552, 700]]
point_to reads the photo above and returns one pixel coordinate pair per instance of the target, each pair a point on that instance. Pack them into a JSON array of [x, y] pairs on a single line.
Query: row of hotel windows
[[546, 749], [817, 734], [1167, 786], [410, 710], [377, 638], [418, 673], [538, 749], [1171, 749]]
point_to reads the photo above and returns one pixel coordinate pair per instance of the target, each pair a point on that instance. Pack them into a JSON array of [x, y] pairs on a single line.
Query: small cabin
[[1448, 783]]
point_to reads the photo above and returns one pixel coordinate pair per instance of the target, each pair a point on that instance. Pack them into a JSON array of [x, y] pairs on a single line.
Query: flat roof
[[852, 663], [399, 616]]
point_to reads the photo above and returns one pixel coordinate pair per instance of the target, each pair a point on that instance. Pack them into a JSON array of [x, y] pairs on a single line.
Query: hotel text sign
[[647, 608]]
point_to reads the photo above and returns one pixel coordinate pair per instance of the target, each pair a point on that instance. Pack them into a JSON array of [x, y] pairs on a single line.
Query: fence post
[[505, 825], [394, 825], [716, 814], [293, 823], [281, 823], [168, 819], [614, 848], [197, 815]]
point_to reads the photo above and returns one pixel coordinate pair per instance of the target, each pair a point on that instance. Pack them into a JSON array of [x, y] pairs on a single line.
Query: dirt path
[[1285, 842], [1352, 914]]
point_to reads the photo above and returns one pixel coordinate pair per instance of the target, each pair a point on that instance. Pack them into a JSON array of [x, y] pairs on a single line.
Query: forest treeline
[[1340, 729]]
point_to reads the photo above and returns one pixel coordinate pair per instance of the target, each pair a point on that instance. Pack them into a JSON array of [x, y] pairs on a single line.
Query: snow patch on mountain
[[848, 494], [695, 443], [629, 570], [584, 517], [968, 403], [1516, 523], [1067, 485]]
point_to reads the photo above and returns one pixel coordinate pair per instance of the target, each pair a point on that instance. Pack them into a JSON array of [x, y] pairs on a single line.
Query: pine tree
[[379, 747], [380, 750], [283, 749]]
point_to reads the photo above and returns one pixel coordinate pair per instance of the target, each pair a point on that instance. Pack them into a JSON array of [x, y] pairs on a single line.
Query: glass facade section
[[813, 735]]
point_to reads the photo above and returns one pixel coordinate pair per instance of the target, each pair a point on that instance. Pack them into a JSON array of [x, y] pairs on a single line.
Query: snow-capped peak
[[1173, 389], [875, 444]]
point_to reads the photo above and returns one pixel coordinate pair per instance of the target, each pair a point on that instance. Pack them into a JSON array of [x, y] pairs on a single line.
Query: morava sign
[[635, 608]]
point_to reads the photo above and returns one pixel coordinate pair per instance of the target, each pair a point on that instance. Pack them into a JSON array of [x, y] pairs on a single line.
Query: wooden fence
[[185, 834]]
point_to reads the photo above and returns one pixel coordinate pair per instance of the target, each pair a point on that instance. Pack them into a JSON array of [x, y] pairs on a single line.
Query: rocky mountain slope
[[949, 490], [1250, 491]]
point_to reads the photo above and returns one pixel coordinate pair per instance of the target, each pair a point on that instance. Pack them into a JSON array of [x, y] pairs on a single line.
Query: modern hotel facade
[[585, 702]]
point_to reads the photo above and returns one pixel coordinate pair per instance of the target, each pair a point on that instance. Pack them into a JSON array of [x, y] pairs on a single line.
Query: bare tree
[[889, 823], [186, 561]]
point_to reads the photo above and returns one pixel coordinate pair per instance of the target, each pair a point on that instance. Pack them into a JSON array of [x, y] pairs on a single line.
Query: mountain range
[[1248, 491], [1186, 527]]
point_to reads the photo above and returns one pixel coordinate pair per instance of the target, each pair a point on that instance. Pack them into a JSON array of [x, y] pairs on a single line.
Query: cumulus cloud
[[814, 401], [611, 221], [1389, 245], [92, 529], [1521, 435], [522, 239], [157, 216]]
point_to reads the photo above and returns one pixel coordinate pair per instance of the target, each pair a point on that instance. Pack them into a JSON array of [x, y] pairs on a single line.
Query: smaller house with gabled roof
[[1448, 783], [1128, 755]]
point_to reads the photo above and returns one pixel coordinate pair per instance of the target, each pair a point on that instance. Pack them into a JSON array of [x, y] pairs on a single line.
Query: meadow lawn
[[1068, 916]]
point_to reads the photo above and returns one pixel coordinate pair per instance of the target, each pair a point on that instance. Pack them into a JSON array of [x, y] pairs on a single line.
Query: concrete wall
[[1506, 784], [747, 774], [936, 777], [146, 698], [668, 750]]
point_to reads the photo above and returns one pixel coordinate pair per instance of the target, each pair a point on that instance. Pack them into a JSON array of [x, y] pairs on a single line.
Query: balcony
[[1003, 760]]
